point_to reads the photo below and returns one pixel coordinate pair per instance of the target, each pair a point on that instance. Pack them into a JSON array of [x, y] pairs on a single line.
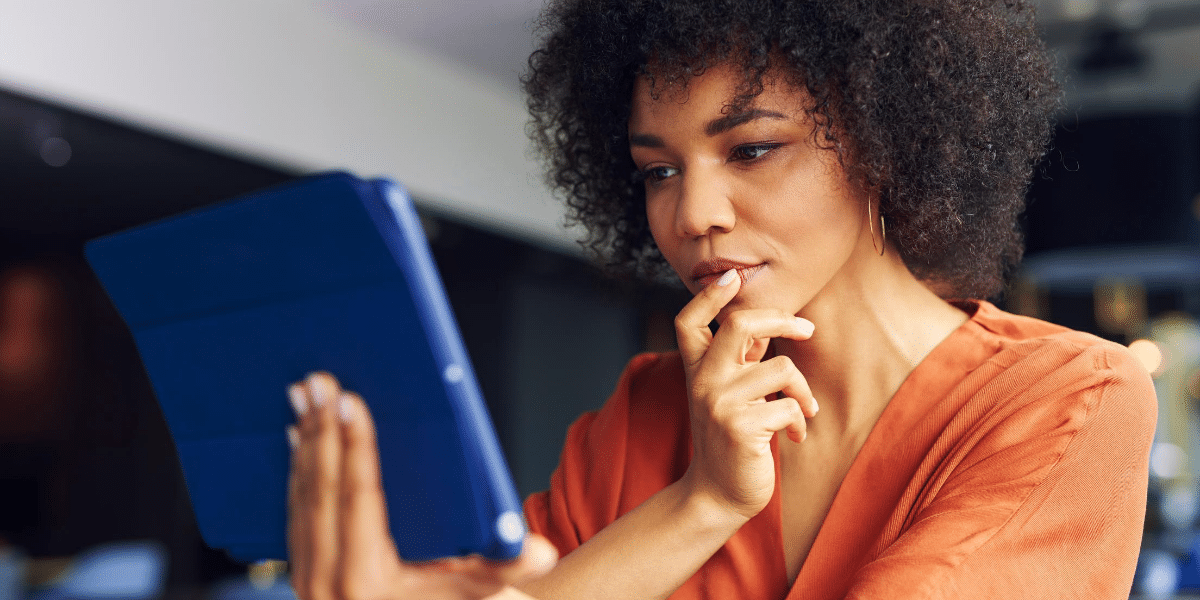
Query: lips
[[708, 271]]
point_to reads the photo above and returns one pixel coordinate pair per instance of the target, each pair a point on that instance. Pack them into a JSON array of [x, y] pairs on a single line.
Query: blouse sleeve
[[1049, 503], [602, 474]]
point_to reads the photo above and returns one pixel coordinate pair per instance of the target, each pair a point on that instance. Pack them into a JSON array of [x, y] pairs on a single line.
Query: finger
[[743, 328], [321, 433], [537, 557], [758, 349], [797, 430], [691, 324], [297, 530], [778, 374], [365, 537], [795, 385], [777, 415]]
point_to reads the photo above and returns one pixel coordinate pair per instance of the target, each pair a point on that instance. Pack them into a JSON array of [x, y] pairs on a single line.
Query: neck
[[875, 323]]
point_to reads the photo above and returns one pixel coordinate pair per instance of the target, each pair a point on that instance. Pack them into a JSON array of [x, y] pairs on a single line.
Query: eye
[[750, 152], [656, 174]]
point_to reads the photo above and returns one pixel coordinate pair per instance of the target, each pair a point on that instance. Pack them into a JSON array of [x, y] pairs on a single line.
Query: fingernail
[[346, 408], [816, 407], [319, 392], [293, 437], [296, 397], [727, 278], [806, 327]]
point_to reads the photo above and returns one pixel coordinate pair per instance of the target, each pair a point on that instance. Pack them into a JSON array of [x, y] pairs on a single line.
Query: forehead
[[718, 91]]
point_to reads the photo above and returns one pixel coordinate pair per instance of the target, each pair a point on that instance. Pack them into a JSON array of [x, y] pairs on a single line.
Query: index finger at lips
[[691, 324]]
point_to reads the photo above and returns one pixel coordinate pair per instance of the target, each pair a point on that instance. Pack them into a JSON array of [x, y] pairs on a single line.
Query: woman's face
[[747, 190]]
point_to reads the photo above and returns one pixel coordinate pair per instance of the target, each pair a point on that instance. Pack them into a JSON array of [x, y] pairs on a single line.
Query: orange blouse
[[1012, 463]]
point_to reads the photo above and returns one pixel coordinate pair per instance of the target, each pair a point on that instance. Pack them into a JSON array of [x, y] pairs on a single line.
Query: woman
[[825, 176]]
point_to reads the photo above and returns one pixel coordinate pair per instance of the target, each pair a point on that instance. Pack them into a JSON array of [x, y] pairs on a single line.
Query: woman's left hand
[[338, 537]]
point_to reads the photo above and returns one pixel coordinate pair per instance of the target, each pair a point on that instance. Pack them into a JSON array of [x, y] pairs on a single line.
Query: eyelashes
[[745, 153], [751, 152], [654, 174]]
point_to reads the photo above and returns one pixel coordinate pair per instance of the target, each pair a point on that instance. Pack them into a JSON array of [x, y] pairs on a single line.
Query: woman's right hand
[[338, 538], [728, 383]]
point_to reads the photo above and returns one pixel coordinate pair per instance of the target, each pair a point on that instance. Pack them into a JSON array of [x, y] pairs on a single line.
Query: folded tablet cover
[[231, 303]]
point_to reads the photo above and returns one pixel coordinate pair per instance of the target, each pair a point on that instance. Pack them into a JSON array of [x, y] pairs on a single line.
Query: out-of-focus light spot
[[1149, 354], [1192, 389], [1120, 305], [56, 151], [1131, 14], [262, 574], [1157, 576], [510, 527], [1080, 10], [1167, 460], [1179, 508], [126, 570]]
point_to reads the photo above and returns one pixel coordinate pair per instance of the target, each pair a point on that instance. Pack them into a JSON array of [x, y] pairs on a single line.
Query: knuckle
[[789, 372], [793, 408], [738, 322], [780, 366], [681, 321], [786, 365]]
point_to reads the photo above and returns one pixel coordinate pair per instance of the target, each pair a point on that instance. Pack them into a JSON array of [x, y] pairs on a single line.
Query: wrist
[[709, 512]]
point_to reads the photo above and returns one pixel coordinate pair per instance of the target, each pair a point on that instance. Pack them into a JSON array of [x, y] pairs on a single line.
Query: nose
[[704, 205]]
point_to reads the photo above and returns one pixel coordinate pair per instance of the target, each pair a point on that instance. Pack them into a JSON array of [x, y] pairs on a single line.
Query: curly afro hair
[[940, 107]]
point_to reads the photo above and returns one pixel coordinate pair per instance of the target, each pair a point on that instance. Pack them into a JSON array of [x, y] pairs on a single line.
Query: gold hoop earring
[[882, 230], [882, 234]]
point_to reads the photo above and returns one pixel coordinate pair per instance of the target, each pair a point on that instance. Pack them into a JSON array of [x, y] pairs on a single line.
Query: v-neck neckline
[[855, 501]]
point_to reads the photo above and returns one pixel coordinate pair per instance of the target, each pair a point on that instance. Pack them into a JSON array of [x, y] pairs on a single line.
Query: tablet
[[230, 303]]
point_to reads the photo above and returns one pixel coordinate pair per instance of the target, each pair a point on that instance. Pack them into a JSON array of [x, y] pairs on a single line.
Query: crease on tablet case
[[228, 304]]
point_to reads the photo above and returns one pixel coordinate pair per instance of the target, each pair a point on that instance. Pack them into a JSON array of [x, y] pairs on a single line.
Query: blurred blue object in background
[[117, 571], [12, 574], [1157, 576], [250, 589]]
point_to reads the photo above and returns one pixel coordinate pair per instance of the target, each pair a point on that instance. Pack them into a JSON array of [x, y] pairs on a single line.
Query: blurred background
[[117, 113]]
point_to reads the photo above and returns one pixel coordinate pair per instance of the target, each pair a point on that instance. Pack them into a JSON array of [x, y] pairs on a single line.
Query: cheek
[[817, 215], [659, 217]]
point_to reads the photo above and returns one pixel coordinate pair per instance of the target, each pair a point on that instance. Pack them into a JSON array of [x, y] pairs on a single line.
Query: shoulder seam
[[1097, 389]]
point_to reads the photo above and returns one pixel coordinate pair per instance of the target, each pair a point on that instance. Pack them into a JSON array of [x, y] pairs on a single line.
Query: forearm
[[646, 554]]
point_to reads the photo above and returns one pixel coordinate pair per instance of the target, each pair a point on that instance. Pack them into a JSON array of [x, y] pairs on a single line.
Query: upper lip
[[718, 265]]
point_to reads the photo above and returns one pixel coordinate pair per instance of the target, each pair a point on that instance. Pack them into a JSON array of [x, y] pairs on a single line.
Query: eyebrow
[[727, 122], [715, 127]]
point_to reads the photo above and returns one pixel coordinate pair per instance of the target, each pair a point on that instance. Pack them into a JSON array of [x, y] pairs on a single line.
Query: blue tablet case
[[231, 303]]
